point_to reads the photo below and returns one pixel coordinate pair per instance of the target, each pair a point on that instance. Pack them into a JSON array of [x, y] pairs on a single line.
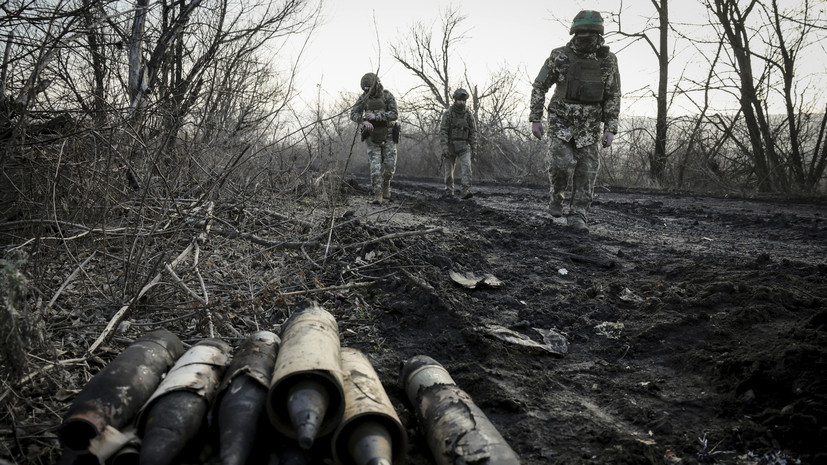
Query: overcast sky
[[518, 34]]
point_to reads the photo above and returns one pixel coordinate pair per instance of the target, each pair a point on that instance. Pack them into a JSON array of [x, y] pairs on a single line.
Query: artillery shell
[[116, 394], [176, 411], [175, 419], [370, 431], [242, 397], [306, 387], [457, 430]]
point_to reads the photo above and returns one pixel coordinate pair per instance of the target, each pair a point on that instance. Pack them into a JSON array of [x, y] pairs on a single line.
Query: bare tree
[[760, 36], [793, 29], [429, 58], [660, 47]]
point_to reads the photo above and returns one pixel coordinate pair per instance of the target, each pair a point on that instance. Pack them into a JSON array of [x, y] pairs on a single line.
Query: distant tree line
[[102, 100], [752, 55]]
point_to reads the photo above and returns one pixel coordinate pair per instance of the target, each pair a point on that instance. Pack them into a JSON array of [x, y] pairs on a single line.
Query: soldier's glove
[[537, 129], [608, 137], [367, 125], [370, 116]]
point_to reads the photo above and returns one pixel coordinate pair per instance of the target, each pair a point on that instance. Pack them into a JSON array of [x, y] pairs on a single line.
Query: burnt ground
[[696, 325]]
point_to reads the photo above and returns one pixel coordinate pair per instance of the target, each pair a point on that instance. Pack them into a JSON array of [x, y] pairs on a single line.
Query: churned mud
[[696, 326], [688, 329]]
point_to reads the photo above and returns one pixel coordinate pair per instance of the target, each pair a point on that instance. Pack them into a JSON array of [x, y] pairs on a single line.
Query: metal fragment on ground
[[553, 342], [470, 280]]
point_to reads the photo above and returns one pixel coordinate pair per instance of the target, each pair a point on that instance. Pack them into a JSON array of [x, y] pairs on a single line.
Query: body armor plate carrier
[[380, 128], [584, 81]]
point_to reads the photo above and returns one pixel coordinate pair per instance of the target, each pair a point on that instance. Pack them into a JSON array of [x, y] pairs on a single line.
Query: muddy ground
[[696, 325]]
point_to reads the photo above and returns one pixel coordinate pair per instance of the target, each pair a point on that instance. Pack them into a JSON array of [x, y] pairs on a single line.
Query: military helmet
[[587, 21], [460, 94], [368, 80]]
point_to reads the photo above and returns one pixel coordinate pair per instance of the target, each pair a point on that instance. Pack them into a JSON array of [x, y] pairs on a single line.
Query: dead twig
[[234, 234], [583, 259], [67, 282], [388, 237], [121, 313], [328, 289], [40, 371]]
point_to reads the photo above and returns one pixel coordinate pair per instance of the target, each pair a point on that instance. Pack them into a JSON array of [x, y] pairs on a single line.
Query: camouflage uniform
[[458, 139], [574, 127], [381, 148]]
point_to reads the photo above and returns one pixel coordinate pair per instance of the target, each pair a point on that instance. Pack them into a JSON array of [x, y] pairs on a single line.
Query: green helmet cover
[[368, 80], [460, 94], [587, 21]]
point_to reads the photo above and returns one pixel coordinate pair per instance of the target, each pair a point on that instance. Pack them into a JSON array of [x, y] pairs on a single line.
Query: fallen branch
[[326, 289], [67, 281], [233, 234], [39, 372], [388, 237], [122, 312]]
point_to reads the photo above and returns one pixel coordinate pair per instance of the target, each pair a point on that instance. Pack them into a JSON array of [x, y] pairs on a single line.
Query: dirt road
[[697, 326]]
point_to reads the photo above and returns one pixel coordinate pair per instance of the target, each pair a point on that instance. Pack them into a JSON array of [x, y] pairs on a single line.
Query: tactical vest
[[459, 128], [583, 83], [380, 128]]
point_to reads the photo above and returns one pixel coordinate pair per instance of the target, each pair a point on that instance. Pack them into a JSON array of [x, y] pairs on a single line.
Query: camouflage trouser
[[580, 165], [450, 162], [382, 160]]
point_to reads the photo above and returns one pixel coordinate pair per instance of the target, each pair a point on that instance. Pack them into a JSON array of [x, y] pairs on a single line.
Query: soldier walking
[[376, 112], [586, 102], [458, 138]]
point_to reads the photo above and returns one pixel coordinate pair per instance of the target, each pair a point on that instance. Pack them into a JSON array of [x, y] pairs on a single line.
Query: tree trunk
[[97, 52], [135, 55], [657, 166], [767, 168]]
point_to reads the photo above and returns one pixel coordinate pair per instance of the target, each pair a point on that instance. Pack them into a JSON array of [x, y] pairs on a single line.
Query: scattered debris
[[472, 281], [609, 329], [630, 296], [553, 342]]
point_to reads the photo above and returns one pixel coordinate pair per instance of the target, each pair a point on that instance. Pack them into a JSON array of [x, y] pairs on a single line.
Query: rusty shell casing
[[457, 430], [254, 358], [174, 420], [242, 397], [309, 355], [116, 394], [198, 371], [238, 419], [367, 407]]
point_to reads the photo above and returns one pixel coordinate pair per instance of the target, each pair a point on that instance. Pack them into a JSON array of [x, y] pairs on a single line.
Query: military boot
[[555, 208], [577, 223], [386, 189], [466, 192], [377, 197]]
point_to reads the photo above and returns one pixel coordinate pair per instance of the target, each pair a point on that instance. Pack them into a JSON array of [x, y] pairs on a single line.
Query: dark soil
[[697, 325], [715, 349]]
